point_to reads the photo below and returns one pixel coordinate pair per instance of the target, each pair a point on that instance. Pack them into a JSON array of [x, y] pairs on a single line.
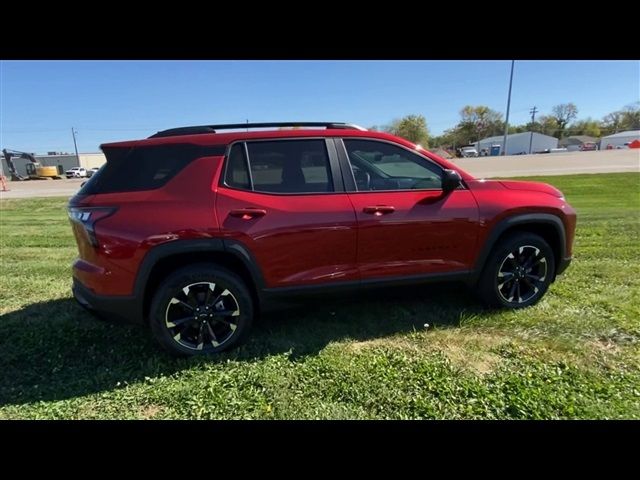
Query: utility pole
[[533, 112], [75, 145], [506, 123]]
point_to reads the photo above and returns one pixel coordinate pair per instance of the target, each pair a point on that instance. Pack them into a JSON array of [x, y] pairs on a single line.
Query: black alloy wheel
[[518, 272], [201, 309]]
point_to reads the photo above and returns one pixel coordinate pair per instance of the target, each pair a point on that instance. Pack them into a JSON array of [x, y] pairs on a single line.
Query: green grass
[[574, 355]]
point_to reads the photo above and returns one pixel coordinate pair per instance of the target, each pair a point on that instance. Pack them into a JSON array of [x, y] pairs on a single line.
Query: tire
[[201, 309], [517, 273]]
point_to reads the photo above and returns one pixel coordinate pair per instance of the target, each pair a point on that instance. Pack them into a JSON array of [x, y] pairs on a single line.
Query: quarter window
[[382, 166], [144, 167], [237, 171]]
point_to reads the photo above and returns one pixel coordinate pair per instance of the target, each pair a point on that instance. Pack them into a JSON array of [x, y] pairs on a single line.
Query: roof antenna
[[247, 124]]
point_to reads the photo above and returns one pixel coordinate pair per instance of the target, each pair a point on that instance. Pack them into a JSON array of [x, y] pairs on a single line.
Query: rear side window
[[289, 166], [144, 168]]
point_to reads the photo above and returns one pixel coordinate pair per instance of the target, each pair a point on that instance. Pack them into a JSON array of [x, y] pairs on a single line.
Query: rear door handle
[[379, 210], [247, 213]]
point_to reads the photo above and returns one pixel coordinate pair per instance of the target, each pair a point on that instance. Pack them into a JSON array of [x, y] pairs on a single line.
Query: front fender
[[519, 220]]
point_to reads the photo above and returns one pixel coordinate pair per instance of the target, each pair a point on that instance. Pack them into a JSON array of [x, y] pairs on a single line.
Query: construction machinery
[[35, 171]]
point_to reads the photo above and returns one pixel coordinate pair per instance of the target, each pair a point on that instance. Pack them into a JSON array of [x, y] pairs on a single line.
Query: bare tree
[[611, 122], [563, 114], [630, 119]]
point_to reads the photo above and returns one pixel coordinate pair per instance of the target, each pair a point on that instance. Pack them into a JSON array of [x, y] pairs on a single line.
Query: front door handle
[[379, 210], [247, 213]]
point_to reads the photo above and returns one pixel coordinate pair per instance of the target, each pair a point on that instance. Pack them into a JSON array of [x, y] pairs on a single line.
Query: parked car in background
[[91, 171], [76, 172], [588, 146], [468, 152]]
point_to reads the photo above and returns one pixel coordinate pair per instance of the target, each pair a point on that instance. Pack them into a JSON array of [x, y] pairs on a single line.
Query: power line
[[506, 122], [533, 112], [75, 145]]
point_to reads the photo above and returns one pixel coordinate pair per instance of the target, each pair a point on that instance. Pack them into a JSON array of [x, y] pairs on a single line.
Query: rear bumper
[[123, 308], [563, 264]]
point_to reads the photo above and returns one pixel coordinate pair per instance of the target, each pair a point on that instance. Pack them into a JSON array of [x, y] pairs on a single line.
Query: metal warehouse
[[517, 143], [619, 139]]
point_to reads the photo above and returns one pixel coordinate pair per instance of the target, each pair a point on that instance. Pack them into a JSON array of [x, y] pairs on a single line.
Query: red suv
[[193, 230]]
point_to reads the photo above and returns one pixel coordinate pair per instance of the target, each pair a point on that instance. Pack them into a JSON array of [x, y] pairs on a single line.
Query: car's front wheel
[[201, 309], [518, 272]]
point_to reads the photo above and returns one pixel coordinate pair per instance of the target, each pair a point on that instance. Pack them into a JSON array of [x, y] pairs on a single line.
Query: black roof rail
[[237, 126]]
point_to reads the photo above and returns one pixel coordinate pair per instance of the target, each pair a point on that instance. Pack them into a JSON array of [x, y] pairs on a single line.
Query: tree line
[[478, 122]]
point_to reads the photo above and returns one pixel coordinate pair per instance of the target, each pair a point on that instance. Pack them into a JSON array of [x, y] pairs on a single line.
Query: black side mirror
[[450, 180]]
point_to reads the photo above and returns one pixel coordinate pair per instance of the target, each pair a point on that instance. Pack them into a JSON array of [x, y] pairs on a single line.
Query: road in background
[[564, 163], [43, 188], [627, 160]]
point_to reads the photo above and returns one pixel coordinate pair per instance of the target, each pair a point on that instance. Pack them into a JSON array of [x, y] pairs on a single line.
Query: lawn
[[574, 355]]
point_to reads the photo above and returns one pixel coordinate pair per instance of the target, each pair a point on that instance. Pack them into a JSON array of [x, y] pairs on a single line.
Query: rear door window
[[290, 166]]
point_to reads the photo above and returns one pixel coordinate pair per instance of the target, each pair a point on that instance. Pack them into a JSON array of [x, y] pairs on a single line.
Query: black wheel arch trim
[[176, 247], [239, 249], [516, 220]]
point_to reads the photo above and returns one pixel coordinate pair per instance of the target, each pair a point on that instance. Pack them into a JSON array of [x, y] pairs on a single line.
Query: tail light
[[88, 217]]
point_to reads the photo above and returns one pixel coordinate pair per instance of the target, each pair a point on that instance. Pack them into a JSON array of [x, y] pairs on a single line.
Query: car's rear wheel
[[201, 309], [518, 272]]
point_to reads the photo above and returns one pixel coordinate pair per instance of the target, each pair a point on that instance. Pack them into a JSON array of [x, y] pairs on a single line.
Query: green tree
[[437, 141], [450, 139], [586, 127], [476, 123], [480, 121], [563, 114], [412, 128], [518, 128], [549, 125]]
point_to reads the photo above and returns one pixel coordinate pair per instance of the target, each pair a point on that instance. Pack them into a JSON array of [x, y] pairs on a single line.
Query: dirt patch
[[471, 352], [148, 412], [477, 361], [604, 346]]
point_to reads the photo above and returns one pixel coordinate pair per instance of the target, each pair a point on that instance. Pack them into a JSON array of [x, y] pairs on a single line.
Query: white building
[[619, 139], [518, 143]]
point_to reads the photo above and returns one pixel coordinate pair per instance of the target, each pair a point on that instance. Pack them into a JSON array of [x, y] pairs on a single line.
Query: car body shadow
[[55, 350], [309, 324]]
